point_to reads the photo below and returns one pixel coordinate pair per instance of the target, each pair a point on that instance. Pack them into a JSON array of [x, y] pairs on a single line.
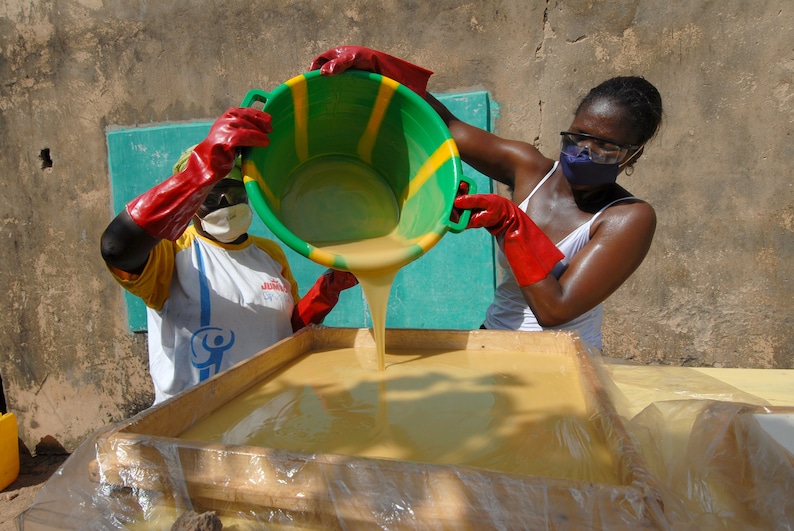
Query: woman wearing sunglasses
[[215, 295], [572, 235], [600, 231]]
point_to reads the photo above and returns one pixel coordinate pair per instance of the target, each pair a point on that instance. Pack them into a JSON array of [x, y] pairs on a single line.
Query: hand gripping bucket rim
[[375, 120]]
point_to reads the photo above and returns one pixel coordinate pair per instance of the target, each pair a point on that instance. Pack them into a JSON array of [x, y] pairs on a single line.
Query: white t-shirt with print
[[211, 305]]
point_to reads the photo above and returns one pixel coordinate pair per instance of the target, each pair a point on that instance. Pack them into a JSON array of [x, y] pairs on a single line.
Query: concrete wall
[[715, 290]]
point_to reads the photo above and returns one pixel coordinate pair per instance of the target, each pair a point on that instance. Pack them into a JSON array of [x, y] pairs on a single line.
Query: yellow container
[[9, 450]]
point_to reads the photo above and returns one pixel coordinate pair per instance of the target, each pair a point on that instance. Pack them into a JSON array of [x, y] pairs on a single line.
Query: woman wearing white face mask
[[224, 216], [215, 295]]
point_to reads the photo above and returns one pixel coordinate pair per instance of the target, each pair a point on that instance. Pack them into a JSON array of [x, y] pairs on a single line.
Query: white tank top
[[510, 311]]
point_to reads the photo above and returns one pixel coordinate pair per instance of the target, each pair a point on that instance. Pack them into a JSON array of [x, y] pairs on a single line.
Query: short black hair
[[638, 97]]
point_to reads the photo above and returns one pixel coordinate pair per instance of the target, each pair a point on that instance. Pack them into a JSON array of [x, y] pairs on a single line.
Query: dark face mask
[[582, 171]]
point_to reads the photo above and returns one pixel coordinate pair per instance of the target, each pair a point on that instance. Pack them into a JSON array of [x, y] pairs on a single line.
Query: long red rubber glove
[[165, 210], [321, 298], [531, 254], [337, 60]]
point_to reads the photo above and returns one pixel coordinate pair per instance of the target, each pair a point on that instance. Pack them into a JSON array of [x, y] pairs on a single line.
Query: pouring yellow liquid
[[376, 284], [343, 207]]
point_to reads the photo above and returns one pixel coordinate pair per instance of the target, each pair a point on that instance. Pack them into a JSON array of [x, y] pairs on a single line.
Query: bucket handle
[[253, 96], [459, 218]]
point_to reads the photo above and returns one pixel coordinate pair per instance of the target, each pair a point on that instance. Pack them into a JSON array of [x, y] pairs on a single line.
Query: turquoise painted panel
[[448, 288]]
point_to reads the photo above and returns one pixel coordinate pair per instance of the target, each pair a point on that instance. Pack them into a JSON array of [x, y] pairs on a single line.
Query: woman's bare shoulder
[[629, 215]]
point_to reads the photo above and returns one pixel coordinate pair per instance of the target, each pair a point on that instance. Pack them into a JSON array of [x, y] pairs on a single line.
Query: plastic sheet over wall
[[694, 457]]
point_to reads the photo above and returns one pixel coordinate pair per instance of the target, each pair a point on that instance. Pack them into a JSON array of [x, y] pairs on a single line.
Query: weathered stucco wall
[[715, 290]]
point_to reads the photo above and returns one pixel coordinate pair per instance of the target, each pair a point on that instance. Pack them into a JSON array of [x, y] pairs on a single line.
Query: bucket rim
[[262, 198]]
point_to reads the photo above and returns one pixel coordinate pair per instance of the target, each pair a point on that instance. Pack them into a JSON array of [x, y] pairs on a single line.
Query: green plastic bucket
[[354, 157]]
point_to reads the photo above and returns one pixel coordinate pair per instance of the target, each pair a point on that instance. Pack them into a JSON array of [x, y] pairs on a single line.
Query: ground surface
[[34, 471]]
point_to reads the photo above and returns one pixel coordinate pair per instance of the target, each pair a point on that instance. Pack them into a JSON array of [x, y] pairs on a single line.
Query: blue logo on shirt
[[207, 346]]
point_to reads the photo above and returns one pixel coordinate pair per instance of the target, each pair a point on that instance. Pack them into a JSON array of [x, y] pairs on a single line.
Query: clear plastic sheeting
[[687, 452], [327, 492], [720, 469], [705, 442]]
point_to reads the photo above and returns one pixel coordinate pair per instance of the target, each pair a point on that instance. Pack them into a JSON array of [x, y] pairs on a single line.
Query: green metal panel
[[449, 287]]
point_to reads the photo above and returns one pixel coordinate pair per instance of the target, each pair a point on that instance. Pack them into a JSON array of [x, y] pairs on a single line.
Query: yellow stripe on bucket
[[325, 258], [367, 143], [427, 241], [300, 100], [445, 151], [251, 173]]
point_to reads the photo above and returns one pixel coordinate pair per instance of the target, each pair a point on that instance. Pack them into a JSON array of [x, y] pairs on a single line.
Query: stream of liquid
[[344, 207], [376, 284]]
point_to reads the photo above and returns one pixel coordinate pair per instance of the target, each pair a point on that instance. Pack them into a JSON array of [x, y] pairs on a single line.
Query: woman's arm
[[125, 245], [505, 161], [165, 211], [622, 237]]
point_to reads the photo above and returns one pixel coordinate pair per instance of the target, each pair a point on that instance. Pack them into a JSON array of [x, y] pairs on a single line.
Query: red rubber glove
[[165, 210], [531, 254], [337, 60], [321, 298]]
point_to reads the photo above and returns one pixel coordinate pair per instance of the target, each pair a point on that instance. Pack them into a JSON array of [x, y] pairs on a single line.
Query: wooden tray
[[333, 491]]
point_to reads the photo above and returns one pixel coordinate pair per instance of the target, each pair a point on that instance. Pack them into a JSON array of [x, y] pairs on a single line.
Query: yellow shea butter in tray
[[513, 412]]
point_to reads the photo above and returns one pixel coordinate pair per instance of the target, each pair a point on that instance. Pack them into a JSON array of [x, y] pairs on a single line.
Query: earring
[[629, 169]]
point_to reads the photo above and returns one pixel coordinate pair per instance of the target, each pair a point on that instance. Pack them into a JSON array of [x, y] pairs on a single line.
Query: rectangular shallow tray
[[333, 491]]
